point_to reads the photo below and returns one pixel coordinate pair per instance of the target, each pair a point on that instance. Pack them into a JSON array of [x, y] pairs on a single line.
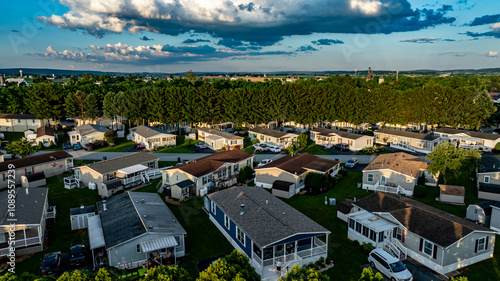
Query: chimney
[[267, 202], [104, 205], [242, 209]]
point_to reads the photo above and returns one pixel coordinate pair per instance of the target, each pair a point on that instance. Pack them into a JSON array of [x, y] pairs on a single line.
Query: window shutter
[[25, 171], [422, 244], [434, 252], [394, 233], [403, 237], [486, 243], [477, 243]]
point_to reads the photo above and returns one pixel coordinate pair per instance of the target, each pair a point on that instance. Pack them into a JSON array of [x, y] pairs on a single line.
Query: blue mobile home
[[266, 229]]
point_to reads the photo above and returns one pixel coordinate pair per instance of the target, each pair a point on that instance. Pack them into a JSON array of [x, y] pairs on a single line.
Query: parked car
[[352, 163], [4, 144], [341, 147], [275, 148], [77, 255], [66, 145], [389, 266], [200, 145], [261, 147], [77, 146], [51, 264], [138, 146], [264, 162]]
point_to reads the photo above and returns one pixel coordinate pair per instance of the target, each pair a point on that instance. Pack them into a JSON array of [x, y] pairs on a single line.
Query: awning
[[158, 243], [96, 236], [372, 221], [131, 170], [214, 138]]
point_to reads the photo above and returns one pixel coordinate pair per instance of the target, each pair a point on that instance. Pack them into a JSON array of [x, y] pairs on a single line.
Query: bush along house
[[266, 229]]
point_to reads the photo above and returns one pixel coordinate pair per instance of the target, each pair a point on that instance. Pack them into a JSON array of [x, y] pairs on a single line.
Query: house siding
[[266, 177], [125, 255], [44, 167], [465, 248], [354, 144], [19, 125], [452, 199], [495, 219], [391, 177], [218, 217]]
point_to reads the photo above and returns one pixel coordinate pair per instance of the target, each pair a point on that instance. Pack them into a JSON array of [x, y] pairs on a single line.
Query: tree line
[[452, 101]]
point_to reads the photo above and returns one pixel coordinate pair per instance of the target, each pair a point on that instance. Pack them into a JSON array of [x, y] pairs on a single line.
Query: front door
[[382, 180]]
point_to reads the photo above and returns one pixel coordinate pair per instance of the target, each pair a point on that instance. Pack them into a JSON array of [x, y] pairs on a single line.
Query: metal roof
[[158, 243], [132, 169], [96, 235], [372, 221], [115, 164]]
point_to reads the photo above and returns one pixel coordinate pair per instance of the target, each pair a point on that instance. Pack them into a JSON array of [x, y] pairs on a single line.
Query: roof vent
[[242, 209], [284, 213], [104, 205], [267, 202], [145, 216], [27, 191], [142, 201]]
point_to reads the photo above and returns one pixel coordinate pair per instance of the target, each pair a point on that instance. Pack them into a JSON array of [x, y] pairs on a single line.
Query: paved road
[[419, 272]]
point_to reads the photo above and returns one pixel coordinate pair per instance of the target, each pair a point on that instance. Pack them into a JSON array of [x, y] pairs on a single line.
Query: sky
[[172, 36]]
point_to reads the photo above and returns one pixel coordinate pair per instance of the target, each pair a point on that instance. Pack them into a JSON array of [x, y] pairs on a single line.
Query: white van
[[389, 265]]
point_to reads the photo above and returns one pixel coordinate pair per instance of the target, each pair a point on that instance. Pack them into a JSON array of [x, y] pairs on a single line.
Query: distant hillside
[[48, 72]]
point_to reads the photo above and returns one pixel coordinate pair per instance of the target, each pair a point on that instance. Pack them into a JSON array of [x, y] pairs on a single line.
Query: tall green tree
[[91, 107], [484, 107], [22, 147], [81, 100], [167, 273], [234, 266], [446, 157]]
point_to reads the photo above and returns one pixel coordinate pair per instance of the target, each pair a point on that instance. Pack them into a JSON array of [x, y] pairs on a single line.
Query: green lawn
[[179, 149], [348, 258], [121, 143], [12, 136], [162, 164], [316, 149], [249, 149], [60, 236]]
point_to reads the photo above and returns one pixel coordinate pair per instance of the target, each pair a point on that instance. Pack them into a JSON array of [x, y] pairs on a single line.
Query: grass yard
[[249, 149], [60, 236], [203, 240], [316, 149], [179, 149], [120, 146], [348, 258], [12, 136]]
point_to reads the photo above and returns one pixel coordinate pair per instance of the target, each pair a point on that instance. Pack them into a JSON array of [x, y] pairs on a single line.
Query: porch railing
[[51, 213], [391, 189], [21, 243], [71, 182]]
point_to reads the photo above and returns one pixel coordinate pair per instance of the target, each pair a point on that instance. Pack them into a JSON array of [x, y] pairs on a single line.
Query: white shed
[[452, 194], [283, 189], [480, 212], [79, 216]]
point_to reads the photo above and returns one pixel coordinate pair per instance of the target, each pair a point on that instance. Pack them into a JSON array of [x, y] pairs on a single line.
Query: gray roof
[[270, 132], [490, 163], [263, 223], [148, 131], [407, 134], [126, 217], [183, 184], [82, 210], [218, 133], [121, 162], [328, 132], [89, 129], [29, 207], [35, 160], [474, 134]]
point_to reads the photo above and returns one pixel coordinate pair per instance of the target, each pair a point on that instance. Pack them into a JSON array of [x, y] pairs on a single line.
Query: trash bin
[[179, 159], [104, 158], [89, 148]]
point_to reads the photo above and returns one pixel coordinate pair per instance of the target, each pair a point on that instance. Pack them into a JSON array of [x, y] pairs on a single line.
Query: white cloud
[[368, 7], [420, 40], [492, 54]]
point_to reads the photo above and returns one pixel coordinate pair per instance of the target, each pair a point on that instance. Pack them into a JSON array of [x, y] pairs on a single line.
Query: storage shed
[[344, 208], [283, 189], [79, 216], [480, 212], [452, 194], [34, 180]]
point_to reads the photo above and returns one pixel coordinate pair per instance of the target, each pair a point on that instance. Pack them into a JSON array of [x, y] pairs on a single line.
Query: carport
[[96, 236]]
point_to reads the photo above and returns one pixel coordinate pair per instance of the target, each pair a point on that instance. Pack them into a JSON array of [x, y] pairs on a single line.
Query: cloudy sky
[[249, 35]]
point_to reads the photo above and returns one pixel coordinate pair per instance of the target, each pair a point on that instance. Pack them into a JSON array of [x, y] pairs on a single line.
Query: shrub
[[40, 145], [254, 141], [51, 144], [189, 142], [343, 173], [247, 141], [497, 146], [421, 180], [420, 191], [367, 247]]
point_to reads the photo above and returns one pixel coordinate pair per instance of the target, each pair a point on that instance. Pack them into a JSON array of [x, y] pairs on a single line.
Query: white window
[[486, 179], [213, 207], [428, 247], [382, 180], [370, 177], [481, 242], [227, 221], [138, 248], [240, 235]]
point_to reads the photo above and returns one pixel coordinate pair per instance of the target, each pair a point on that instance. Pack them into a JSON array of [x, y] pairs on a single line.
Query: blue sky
[[249, 35]]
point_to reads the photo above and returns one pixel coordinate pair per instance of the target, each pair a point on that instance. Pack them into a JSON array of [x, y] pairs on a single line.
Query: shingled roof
[[407, 134], [301, 163], [428, 222], [34, 160], [121, 162], [266, 219], [44, 131], [128, 216], [328, 133], [474, 134], [88, 129], [345, 206], [400, 162], [148, 131], [211, 163], [17, 116], [269, 132], [218, 133], [29, 205]]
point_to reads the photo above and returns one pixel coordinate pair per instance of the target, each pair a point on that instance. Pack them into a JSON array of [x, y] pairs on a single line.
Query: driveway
[[419, 272]]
